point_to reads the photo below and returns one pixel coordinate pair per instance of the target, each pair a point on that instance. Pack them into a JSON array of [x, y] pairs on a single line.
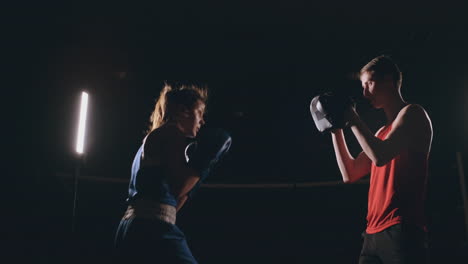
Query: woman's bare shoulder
[[165, 134]]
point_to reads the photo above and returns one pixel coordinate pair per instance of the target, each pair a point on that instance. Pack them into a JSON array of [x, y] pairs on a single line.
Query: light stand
[[80, 143]]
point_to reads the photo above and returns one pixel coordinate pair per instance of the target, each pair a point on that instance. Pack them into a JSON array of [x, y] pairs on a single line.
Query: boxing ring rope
[[275, 185], [229, 185]]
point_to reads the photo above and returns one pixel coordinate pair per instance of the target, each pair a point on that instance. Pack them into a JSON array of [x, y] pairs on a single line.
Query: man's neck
[[393, 108]]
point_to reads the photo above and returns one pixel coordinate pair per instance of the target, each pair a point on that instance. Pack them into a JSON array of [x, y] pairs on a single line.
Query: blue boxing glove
[[205, 152], [329, 111]]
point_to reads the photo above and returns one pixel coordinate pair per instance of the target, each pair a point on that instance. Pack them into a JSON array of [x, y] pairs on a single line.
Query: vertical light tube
[[82, 123]]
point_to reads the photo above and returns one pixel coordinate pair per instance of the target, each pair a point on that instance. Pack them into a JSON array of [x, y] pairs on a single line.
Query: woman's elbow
[[179, 191]]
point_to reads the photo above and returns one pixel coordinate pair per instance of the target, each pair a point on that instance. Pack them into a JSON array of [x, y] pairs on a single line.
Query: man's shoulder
[[414, 111], [413, 107], [416, 117]]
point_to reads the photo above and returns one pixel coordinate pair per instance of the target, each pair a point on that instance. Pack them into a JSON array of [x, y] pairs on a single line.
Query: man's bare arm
[[352, 169], [411, 128]]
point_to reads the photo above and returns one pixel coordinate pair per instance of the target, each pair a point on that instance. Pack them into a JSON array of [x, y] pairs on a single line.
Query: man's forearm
[[343, 157], [370, 144]]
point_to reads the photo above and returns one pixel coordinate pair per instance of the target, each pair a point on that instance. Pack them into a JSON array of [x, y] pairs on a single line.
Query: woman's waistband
[[148, 209]]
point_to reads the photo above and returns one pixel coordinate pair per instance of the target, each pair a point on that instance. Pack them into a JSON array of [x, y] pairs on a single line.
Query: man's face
[[375, 89]]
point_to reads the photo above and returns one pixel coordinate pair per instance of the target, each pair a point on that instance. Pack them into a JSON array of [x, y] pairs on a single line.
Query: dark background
[[263, 62]]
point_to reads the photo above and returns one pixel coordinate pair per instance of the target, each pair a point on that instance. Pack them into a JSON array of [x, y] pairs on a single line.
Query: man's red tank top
[[397, 190]]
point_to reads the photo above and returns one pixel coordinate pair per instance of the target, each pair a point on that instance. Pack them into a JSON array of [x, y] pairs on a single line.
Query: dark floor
[[303, 225]]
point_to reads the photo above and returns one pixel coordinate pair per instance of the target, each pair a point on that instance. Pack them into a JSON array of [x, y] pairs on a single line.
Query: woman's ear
[[181, 110]]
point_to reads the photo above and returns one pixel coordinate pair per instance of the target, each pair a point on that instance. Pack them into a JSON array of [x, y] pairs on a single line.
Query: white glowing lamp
[[82, 123]]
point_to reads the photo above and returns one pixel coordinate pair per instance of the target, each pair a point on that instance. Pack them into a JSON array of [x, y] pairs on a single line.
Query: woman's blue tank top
[[149, 183]]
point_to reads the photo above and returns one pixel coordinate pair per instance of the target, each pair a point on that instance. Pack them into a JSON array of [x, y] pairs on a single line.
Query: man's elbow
[[377, 159], [379, 162], [347, 179], [380, 158]]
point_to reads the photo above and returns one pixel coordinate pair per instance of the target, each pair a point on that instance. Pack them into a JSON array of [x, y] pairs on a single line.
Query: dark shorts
[[396, 244], [151, 241]]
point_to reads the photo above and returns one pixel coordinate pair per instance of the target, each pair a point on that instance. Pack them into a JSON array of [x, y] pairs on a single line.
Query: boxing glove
[[205, 152], [329, 111]]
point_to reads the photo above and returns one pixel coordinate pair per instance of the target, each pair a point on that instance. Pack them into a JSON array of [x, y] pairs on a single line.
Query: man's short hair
[[381, 66]]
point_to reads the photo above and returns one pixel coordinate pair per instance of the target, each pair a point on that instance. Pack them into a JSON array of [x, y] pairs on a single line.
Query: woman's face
[[192, 119]]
